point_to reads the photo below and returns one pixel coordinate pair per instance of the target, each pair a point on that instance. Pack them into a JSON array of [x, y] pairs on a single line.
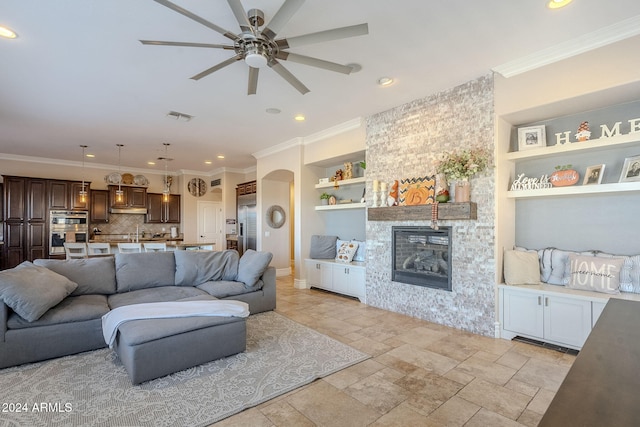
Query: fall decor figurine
[[583, 132], [392, 200]]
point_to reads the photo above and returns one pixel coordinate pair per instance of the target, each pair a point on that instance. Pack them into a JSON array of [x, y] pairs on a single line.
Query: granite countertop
[[601, 388]]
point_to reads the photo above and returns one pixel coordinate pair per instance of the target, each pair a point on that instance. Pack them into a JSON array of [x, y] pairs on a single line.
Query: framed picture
[[593, 175], [531, 137], [631, 169]]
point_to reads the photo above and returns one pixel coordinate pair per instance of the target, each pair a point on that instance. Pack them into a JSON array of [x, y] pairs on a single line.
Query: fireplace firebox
[[422, 256]]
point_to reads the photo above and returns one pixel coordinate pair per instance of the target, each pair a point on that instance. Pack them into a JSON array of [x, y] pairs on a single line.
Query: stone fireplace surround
[[405, 142]]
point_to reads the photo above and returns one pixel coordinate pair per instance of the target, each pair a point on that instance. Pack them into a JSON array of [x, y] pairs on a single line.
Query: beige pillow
[[595, 274], [521, 268]]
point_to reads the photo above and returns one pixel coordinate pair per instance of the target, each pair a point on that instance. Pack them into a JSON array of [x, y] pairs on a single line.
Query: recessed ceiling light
[[273, 110], [557, 4], [7, 32], [91, 155], [385, 81], [207, 162], [151, 163], [299, 118], [220, 156]]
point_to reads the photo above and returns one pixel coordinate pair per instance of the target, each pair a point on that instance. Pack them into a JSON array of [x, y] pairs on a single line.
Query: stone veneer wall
[[406, 142]]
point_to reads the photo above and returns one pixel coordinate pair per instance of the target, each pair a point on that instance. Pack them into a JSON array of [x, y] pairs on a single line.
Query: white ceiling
[[78, 75]]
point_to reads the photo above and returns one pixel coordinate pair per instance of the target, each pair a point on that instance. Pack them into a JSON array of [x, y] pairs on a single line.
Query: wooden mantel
[[450, 211]]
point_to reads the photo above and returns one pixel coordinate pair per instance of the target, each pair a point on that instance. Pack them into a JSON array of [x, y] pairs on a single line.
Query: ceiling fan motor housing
[[256, 17]]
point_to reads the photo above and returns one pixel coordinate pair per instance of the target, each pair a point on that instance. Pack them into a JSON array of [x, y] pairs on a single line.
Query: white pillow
[[361, 252], [346, 251], [521, 268], [599, 274]]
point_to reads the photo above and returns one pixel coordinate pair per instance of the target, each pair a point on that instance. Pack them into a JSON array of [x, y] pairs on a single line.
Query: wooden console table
[[601, 388]]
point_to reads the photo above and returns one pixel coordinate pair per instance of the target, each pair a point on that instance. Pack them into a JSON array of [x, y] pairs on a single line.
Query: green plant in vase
[[324, 198]]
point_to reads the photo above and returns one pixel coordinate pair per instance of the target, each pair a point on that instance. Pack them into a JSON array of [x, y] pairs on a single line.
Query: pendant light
[[166, 192], [83, 190], [119, 193]]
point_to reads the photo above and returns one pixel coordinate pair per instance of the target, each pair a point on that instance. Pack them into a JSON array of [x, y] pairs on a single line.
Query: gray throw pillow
[[194, 267], [93, 275], [31, 290], [252, 265], [323, 247]]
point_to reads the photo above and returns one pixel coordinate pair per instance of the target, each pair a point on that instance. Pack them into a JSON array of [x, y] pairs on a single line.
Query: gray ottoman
[[152, 348]]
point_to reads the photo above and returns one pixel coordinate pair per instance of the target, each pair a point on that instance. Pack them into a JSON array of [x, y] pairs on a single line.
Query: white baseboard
[[496, 327], [283, 272], [300, 284]]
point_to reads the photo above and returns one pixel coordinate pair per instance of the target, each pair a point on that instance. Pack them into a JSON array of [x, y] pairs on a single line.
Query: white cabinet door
[[326, 276], [313, 273], [566, 320], [348, 280], [523, 313]]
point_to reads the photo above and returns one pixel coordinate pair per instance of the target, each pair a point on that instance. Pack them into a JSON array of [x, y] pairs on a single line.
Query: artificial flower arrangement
[[463, 164]]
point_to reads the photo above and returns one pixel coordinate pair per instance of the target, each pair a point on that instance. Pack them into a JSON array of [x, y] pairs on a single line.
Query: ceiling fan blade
[[314, 62], [253, 80], [223, 64], [198, 19], [241, 15], [186, 44], [285, 74], [324, 36], [282, 16]]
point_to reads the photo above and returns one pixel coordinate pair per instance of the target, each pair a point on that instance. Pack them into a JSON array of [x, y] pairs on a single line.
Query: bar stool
[[124, 248], [75, 250], [99, 248], [155, 246]]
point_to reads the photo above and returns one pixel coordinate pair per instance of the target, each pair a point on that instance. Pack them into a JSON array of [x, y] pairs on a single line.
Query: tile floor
[[419, 374]]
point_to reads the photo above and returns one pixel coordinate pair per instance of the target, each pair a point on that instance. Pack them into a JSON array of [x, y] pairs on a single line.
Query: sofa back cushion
[[251, 267], [194, 267], [93, 275], [144, 270]]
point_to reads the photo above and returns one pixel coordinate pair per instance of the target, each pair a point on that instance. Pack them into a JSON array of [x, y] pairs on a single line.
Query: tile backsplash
[[126, 223]]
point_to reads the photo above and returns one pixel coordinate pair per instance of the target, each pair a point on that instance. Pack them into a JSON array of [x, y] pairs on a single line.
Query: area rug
[[93, 389]]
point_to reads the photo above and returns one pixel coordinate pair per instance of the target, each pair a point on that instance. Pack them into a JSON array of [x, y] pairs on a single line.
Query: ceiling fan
[[259, 47]]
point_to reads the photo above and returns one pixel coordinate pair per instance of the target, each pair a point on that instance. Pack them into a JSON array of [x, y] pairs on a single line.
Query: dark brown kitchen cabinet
[[159, 211], [25, 227], [65, 195], [99, 211], [132, 197]]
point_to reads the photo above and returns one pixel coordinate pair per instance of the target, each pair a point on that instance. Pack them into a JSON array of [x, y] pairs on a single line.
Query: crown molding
[[611, 34], [310, 139]]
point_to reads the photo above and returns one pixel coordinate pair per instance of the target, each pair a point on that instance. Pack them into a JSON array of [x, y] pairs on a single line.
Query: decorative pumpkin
[[564, 177]]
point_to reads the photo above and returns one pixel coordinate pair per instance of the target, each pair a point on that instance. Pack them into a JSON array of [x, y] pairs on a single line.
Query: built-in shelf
[[449, 211], [340, 206], [622, 187], [631, 139], [344, 182]]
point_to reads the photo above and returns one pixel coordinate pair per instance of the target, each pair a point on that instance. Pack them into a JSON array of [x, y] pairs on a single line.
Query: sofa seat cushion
[[144, 270], [223, 288], [93, 275], [142, 331], [161, 294], [195, 267], [72, 309]]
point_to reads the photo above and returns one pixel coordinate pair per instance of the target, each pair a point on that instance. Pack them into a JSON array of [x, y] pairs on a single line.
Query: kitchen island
[[173, 244]]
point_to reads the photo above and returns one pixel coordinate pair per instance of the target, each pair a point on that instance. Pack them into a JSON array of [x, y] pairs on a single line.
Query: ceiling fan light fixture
[[385, 81], [255, 59]]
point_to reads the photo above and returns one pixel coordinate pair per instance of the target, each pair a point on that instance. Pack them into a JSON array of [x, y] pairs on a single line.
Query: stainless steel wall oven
[[67, 226]]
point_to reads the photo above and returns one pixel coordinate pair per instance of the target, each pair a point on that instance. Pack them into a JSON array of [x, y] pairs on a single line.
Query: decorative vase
[[324, 202], [463, 192]]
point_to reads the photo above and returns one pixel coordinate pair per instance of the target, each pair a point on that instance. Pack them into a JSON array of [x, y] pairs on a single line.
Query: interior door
[[211, 224]]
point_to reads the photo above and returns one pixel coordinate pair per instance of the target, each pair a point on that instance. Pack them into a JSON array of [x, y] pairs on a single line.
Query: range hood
[[133, 211]]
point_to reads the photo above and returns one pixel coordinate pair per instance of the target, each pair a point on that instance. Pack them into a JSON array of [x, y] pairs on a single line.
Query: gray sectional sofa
[[53, 308]]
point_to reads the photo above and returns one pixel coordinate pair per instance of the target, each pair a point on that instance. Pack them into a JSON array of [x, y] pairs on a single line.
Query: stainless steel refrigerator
[[246, 222]]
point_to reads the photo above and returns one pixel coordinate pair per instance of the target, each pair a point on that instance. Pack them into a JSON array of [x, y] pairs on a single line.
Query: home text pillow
[[590, 273], [252, 265], [521, 268], [31, 290], [346, 251], [323, 247]]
